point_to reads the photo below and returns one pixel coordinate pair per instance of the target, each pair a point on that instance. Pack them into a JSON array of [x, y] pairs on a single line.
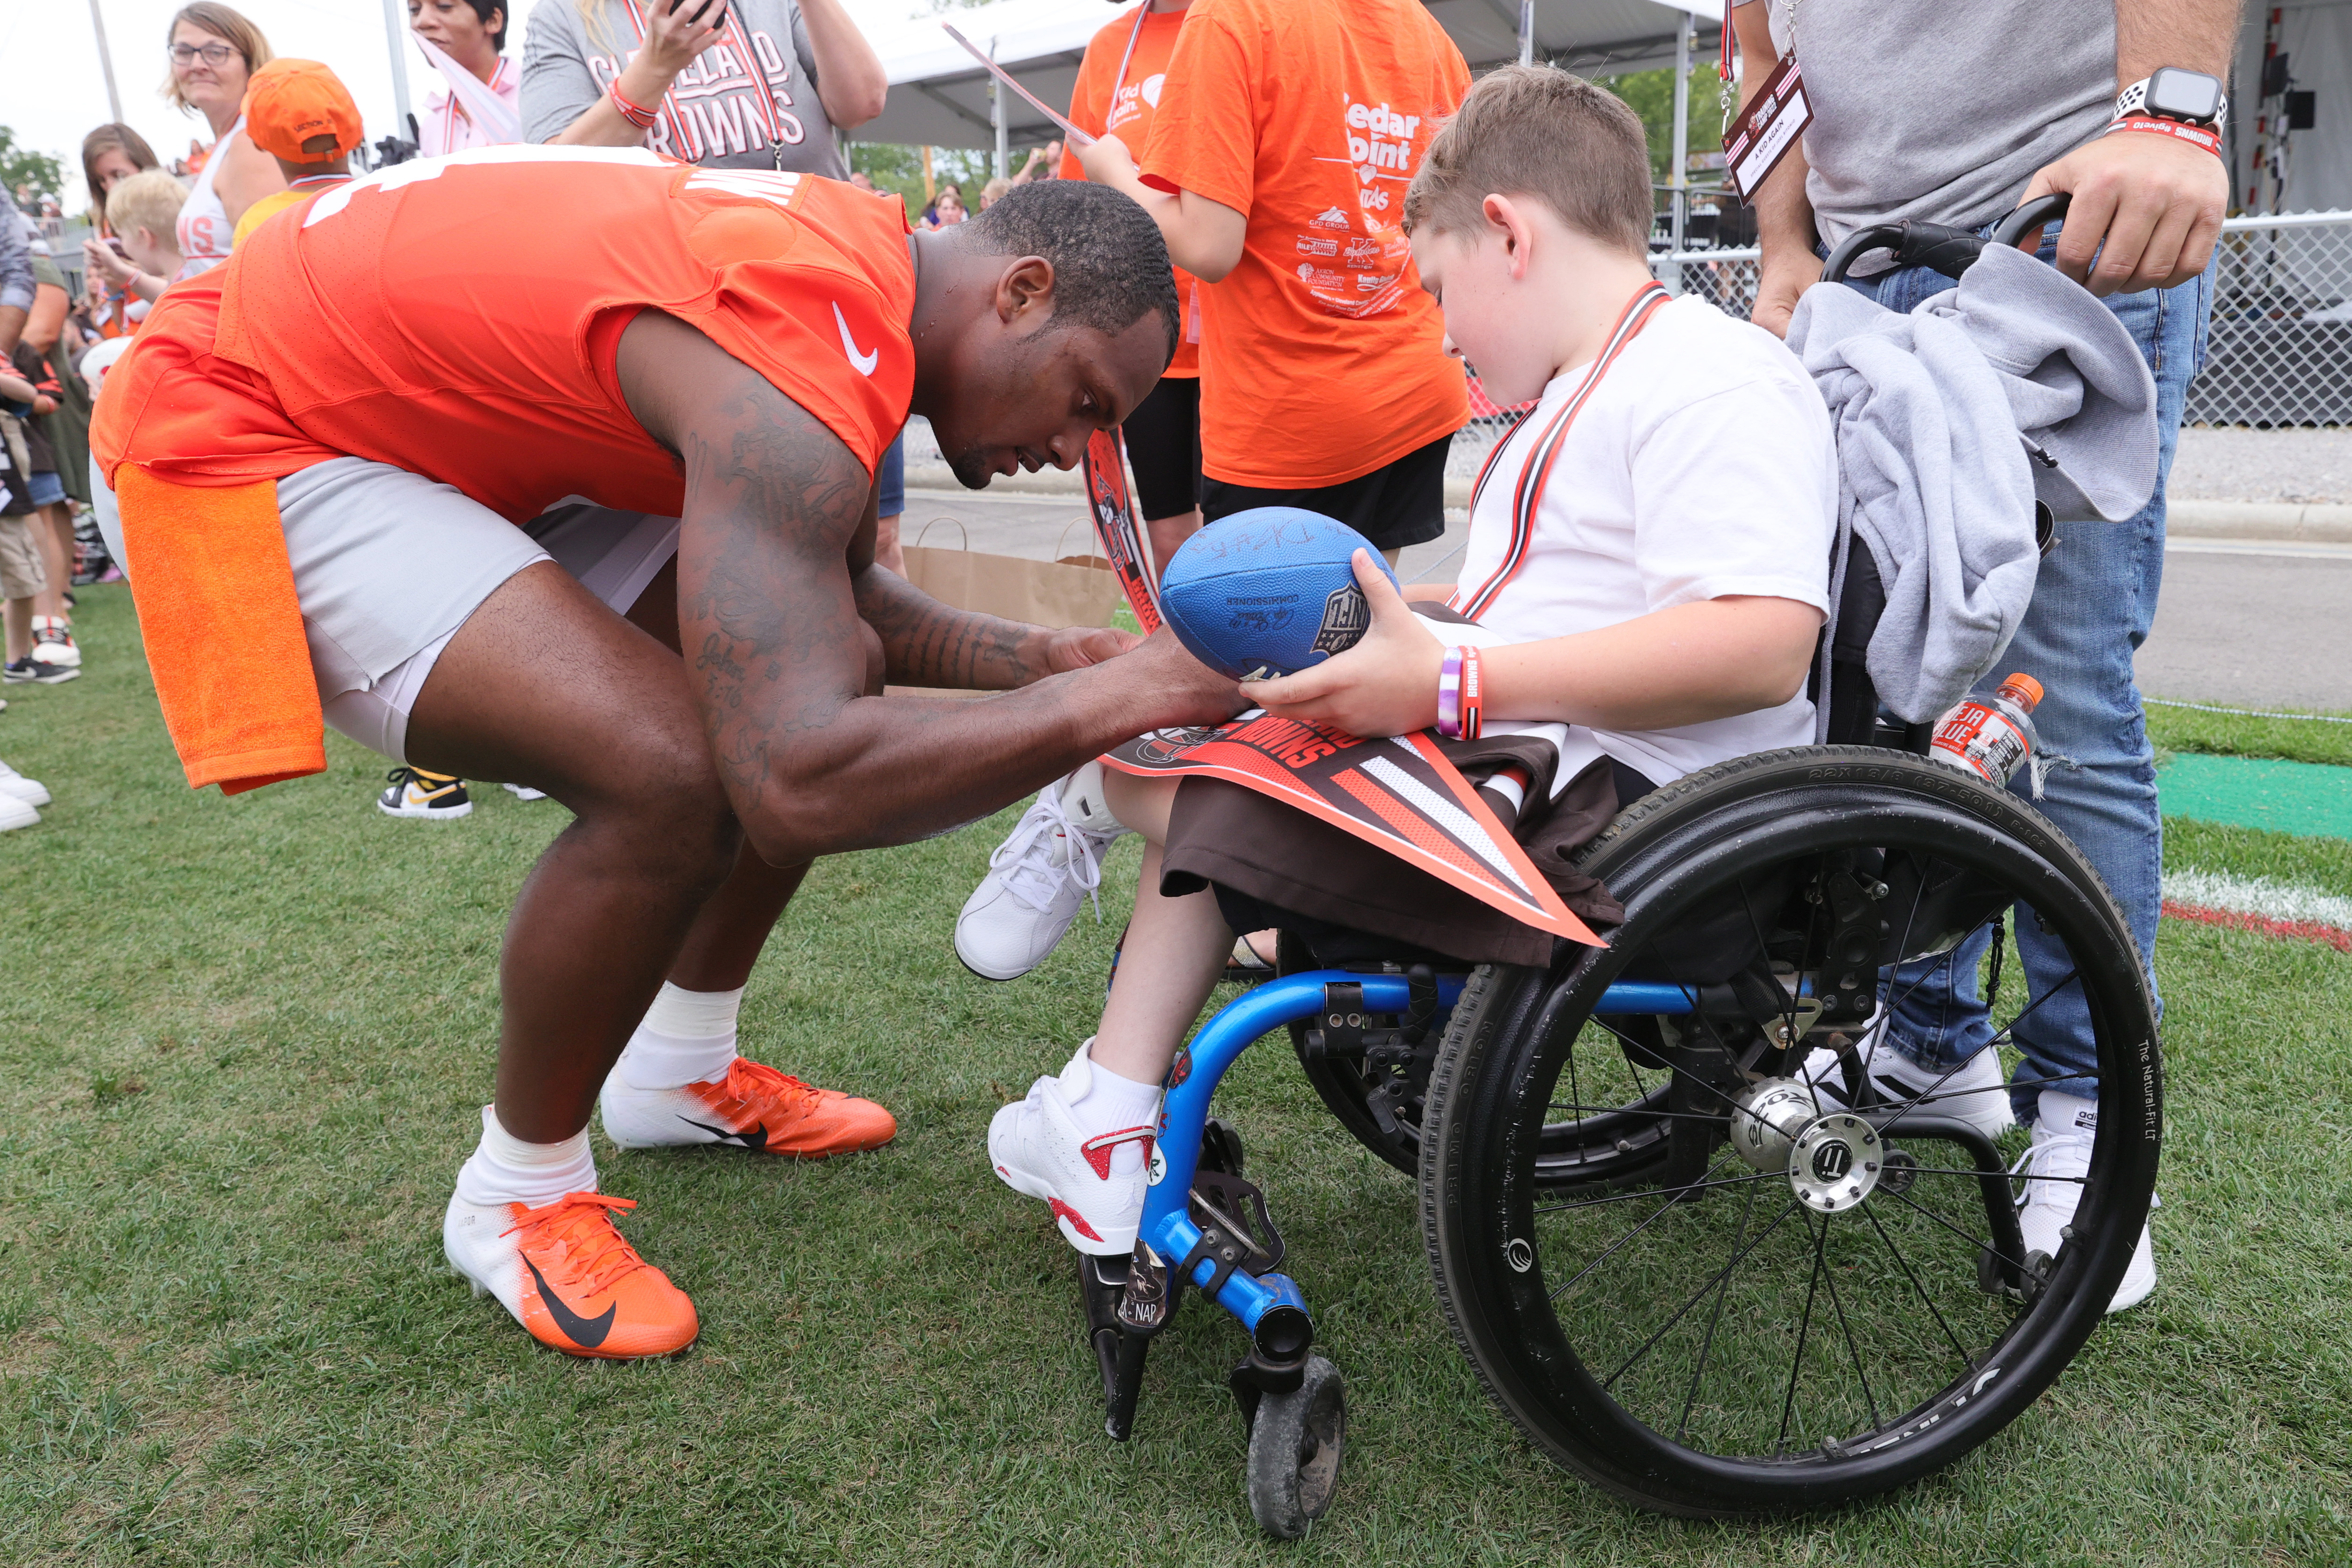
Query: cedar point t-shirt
[[1322, 358], [459, 316], [1128, 117]]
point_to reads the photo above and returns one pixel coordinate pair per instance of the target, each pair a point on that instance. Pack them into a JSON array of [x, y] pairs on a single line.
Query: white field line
[[2283, 909]]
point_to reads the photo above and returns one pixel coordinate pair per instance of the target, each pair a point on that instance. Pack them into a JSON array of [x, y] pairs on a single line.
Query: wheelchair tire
[[1295, 1444], [1698, 1346]]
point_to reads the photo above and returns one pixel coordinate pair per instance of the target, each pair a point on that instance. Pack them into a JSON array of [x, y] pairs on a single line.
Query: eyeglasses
[[214, 55]]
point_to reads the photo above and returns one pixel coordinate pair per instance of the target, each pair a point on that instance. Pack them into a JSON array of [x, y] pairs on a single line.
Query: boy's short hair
[[1537, 130], [149, 200]]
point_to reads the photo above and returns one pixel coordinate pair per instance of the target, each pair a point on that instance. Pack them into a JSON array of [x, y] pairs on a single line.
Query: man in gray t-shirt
[[596, 71], [1957, 114]]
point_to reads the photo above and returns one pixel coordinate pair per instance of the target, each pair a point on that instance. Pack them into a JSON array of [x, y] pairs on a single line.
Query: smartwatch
[[2192, 97]]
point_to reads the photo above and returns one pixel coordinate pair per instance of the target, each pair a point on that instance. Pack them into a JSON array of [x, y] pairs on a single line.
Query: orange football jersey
[[458, 317]]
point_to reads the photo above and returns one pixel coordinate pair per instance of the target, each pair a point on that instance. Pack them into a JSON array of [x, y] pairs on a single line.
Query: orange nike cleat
[[753, 1107], [567, 1275]]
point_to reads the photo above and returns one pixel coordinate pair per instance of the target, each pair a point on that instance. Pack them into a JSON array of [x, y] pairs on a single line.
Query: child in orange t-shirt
[[1119, 92], [1278, 139], [1277, 164]]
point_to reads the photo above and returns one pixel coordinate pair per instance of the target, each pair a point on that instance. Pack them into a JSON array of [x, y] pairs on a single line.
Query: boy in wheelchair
[[1645, 576]]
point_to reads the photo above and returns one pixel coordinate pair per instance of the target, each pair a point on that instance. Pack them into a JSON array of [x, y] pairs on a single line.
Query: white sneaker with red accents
[[1048, 1146]]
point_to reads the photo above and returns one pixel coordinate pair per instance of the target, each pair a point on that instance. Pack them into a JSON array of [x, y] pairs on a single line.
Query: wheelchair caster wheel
[[1295, 1444]]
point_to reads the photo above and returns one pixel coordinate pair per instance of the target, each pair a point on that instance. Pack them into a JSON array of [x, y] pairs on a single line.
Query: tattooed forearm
[[930, 644], [779, 615]]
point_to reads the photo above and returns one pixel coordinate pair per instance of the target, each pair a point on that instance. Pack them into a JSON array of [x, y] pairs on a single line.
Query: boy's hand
[[1108, 162], [1385, 685]]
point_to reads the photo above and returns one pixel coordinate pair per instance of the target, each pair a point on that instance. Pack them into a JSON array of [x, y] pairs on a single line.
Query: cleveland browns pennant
[[1399, 795], [1116, 527]]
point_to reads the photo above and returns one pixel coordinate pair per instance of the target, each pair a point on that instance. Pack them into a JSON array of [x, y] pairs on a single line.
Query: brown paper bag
[[1077, 590]]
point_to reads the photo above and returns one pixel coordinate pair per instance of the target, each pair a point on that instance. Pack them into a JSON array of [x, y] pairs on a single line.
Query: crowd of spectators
[[679, 76]]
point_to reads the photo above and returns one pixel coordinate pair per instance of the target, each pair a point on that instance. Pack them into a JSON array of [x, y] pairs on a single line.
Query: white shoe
[[1037, 879], [17, 813], [1977, 1094], [29, 791], [2062, 1131], [525, 792], [53, 643], [1041, 1149]]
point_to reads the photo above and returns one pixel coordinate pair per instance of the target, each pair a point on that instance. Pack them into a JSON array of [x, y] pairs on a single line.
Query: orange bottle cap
[[2024, 688]]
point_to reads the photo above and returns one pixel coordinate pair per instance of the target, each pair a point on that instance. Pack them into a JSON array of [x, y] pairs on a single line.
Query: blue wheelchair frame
[[1167, 1227]]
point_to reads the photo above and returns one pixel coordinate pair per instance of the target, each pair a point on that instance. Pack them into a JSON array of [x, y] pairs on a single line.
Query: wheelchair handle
[[1946, 249]]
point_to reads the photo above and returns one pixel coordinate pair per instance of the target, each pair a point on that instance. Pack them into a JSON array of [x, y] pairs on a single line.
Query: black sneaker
[[434, 797], [31, 669]]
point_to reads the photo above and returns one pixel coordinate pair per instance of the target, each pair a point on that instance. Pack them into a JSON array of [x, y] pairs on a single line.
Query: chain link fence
[[2281, 350]]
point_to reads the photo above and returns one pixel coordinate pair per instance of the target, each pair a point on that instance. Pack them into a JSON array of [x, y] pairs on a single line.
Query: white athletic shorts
[[388, 565]]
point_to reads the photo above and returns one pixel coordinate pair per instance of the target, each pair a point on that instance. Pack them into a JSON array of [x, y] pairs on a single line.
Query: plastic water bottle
[[1990, 737]]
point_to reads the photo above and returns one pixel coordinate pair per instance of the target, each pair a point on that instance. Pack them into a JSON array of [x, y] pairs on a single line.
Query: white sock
[[1112, 1105], [1082, 801], [687, 1037], [504, 1170]]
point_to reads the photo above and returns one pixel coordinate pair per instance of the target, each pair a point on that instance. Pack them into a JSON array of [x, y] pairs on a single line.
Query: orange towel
[[224, 631]]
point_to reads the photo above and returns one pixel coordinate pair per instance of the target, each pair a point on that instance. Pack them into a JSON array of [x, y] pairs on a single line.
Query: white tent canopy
[[939, 96]]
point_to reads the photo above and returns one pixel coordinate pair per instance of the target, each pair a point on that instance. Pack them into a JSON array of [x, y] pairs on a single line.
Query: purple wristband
[[1449, 696]]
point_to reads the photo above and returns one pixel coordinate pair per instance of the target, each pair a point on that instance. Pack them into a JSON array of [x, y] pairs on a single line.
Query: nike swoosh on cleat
[[585, 1333], [756, 1140], [863, 360]]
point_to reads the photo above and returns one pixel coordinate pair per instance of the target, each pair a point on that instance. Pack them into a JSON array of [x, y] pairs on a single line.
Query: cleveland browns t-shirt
[[458, 317], [1323, 358], [1118, 94]]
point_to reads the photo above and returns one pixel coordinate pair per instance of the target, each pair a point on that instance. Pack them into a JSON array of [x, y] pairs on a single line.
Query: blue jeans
[[890, 479], [2093, 605]]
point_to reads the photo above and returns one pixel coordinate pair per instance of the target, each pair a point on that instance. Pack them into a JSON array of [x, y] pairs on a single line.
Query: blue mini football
[[1267, 592]]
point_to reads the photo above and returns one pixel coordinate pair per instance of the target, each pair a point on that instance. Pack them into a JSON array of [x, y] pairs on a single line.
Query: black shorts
[[1164, 447], [1398, 503]]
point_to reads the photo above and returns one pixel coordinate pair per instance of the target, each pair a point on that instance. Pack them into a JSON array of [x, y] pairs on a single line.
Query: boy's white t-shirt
[[1702, 466]]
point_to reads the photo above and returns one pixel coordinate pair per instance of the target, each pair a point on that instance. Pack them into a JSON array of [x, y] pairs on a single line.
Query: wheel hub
[[1766, 1118], [1835, 1163]]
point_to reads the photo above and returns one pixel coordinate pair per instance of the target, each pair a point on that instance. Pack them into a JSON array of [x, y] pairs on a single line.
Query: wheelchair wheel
[[1771, 1325], [1381, 1105], [1295, 1444]]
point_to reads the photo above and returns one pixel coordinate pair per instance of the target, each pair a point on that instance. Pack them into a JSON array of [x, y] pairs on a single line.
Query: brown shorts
[[21, 575], [1274, 865]]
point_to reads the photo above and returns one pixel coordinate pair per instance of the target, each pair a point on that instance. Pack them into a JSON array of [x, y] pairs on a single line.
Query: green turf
[[242, 1043], [2305, 799], [2323, 863], [2307, 739]]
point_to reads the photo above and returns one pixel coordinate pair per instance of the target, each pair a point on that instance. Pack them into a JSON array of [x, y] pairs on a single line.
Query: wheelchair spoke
[[1929, 1301], [1646, 1115], [1982, 1245], [1678, 1193], [1993, 1044], [1789, 1403], [1837, 1303], [1786, 1209], [1714, 1320], [1665, 1209], [1935, 1170]]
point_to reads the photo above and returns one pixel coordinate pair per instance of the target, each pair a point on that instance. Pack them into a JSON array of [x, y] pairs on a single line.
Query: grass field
[[242, 1043]]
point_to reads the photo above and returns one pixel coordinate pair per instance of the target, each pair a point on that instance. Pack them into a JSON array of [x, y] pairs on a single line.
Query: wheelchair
[[1683, 1277]]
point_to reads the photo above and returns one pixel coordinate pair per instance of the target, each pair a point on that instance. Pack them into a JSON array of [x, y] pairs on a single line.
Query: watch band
[[2130, 103]]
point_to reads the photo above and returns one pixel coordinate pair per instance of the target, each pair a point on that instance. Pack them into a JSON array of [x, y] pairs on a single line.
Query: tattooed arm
[[775, 570]]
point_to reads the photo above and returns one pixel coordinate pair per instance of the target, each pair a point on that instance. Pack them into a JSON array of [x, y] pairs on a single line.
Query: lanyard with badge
[[1756, 138], [762, 91]]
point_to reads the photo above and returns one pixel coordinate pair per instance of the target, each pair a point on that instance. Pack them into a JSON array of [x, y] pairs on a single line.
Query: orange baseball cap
[[289, 102]]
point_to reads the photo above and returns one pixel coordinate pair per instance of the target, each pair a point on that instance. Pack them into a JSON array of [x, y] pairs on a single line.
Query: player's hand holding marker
[[1386, 685]]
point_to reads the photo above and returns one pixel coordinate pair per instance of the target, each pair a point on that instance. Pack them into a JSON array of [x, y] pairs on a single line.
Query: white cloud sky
[[52, 91]]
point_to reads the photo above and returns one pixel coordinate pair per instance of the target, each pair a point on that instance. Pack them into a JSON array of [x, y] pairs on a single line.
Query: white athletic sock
[[504, 1170], [1112, 1105], [687, 1037]]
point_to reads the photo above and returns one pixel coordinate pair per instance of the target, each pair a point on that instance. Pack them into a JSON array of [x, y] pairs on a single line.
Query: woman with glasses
[[213, 50]]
